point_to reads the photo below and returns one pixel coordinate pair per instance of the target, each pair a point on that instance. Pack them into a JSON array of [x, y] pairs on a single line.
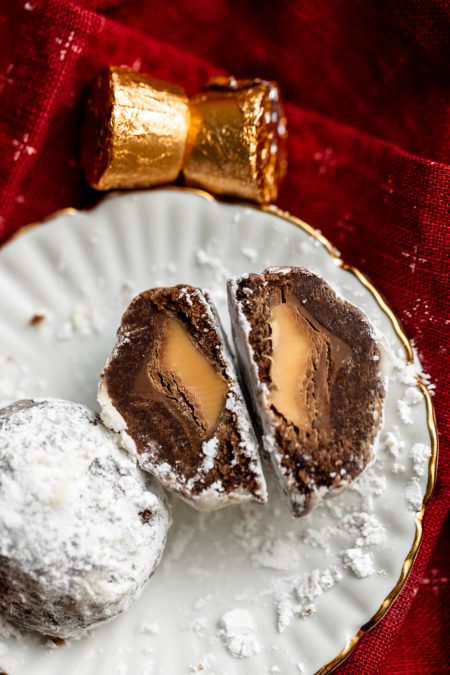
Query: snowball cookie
[[81, 527]]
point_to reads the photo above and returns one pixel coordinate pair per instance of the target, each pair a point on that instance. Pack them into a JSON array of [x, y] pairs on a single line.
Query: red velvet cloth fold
[[367, 89]]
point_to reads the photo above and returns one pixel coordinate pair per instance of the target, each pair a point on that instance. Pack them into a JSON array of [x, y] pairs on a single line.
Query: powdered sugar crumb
[[413, 495], [405, 412], [366, 527], [412, 396], [420, 455], [296, 596], [237, 630], [84, 320], [150, 627], [392, 444], [360, 562]]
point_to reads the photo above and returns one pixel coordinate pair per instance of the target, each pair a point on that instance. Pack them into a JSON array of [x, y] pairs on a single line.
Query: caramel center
[[291, 355], [306, 359], [202, 385]]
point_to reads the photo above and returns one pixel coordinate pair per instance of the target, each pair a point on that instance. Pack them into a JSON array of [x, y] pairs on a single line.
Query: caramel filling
[[176, 370], [305, 361], [202, 386], [291, 356]]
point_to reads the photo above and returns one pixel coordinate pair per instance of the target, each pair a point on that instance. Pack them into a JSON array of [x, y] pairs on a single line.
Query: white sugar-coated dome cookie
[[82, 529]]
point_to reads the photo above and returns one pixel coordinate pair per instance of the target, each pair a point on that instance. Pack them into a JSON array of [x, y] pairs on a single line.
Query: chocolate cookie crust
[[208, 458], [342, 392]]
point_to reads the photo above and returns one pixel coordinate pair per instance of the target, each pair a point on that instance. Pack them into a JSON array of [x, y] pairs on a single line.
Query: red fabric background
[[367, 85]]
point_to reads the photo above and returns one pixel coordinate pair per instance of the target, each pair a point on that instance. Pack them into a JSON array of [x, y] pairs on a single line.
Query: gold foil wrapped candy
[[229, 140], [236, 141], [135, 131]]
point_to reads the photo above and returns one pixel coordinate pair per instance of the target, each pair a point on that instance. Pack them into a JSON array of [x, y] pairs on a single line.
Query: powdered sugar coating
[[81, 529]]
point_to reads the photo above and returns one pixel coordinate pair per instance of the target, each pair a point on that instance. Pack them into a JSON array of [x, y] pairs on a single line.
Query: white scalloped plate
[[80, 270]]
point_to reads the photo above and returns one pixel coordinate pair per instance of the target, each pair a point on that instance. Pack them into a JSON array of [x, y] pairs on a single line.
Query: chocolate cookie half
[[170, 390], [312, 365]]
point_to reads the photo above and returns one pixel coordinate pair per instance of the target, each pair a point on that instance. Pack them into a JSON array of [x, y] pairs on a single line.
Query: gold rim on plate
[[399, 331]]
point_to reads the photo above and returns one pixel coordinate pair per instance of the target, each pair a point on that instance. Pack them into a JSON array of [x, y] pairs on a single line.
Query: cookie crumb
[[37, 319]]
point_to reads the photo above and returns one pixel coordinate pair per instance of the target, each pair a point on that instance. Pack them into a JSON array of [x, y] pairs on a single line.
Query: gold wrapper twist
[[229, 140]]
